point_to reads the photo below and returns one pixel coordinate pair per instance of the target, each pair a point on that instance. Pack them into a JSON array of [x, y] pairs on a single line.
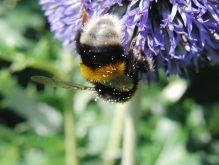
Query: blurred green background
[[178, 120]]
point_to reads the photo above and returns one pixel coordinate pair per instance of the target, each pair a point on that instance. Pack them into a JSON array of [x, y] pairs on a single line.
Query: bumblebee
[[114, 74]]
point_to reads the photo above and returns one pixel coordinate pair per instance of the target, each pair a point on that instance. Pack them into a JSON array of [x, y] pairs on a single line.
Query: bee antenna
[[135, 38], [85, 16]]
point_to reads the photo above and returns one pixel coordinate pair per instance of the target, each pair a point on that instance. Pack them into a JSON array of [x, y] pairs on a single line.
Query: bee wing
[[120, 82], [52, 82]]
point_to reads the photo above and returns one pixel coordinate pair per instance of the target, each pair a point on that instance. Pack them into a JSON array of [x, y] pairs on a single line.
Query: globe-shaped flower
[[173, 33]]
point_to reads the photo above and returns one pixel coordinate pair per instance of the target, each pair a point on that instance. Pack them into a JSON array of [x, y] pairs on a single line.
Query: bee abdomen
[[101, 55]]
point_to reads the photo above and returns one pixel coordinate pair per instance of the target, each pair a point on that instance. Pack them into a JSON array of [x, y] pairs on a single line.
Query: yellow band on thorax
[[102, 73]]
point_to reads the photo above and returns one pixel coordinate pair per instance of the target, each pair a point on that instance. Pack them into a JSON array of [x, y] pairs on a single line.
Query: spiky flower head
[[174, 33]]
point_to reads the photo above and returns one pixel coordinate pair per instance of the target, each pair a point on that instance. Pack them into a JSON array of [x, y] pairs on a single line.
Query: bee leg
[[132, 62], [139, 61], [145, 63]]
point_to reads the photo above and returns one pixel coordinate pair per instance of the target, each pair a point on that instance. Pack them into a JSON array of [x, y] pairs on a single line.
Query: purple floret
[[174, 33]]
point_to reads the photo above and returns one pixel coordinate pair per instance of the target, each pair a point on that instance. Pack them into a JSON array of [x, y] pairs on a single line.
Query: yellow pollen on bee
[[102, 73]]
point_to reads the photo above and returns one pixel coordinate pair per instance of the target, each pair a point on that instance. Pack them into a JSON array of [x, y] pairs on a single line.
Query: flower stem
[[70, 140], [115, 137], [69, 123], [130, 130]]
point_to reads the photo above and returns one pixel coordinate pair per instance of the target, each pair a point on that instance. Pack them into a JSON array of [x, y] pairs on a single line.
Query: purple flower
[[174, 33]]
